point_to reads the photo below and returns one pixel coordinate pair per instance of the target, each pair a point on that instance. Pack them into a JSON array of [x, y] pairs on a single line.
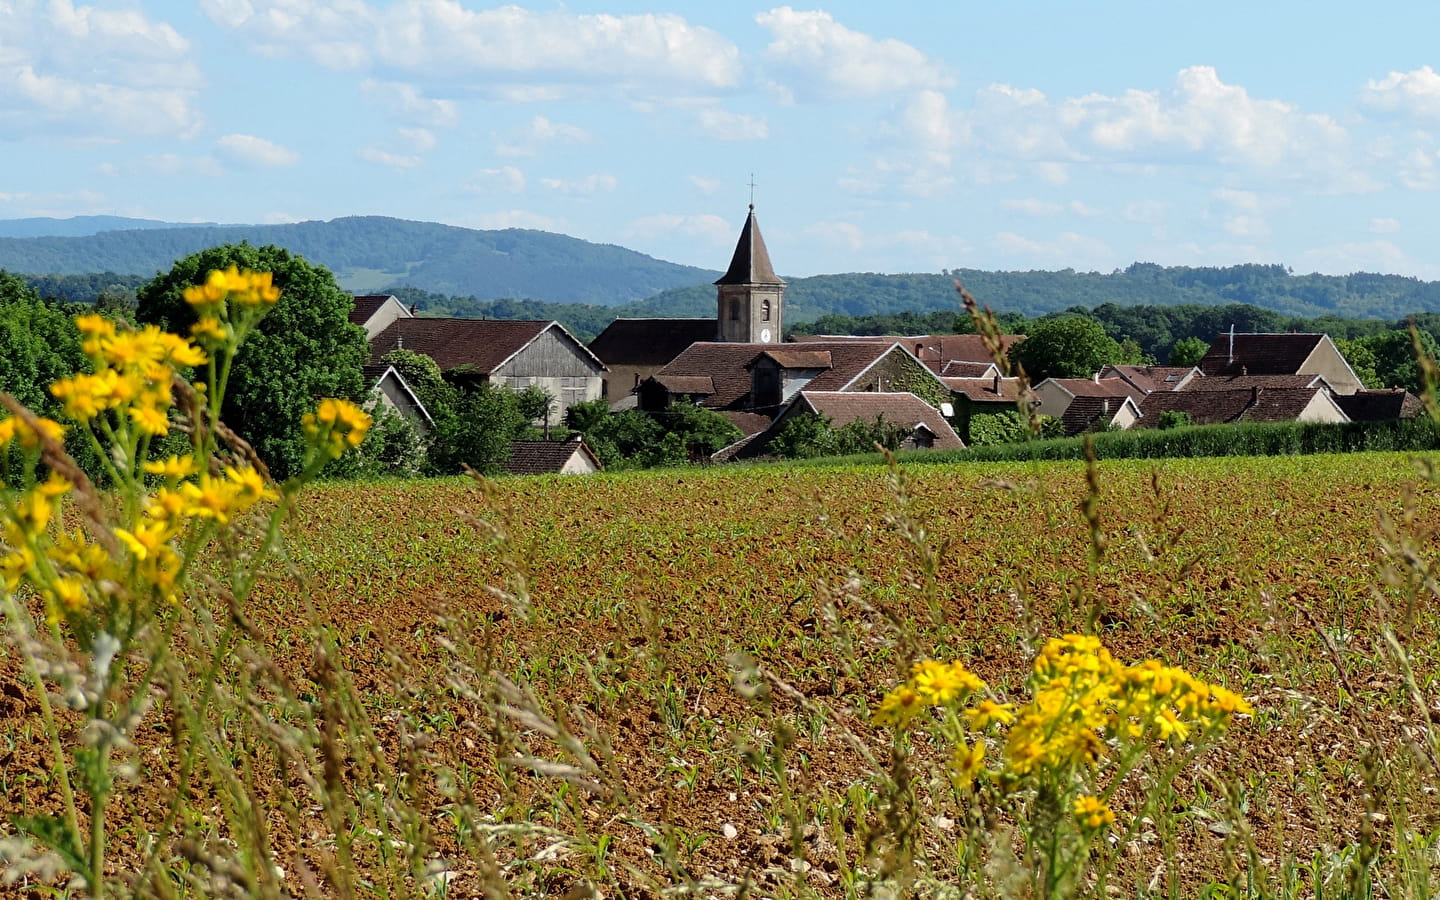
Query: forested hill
[[1036, 293], [78, 226], [372, 253]]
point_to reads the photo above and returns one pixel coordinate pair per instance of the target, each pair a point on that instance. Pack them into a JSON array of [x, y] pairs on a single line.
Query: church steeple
[[750, 294]]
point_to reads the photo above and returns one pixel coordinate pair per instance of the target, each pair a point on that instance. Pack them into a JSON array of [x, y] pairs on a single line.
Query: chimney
[[997, 382], [1244, 370], [1105, 407], [413, 308], [1254, 395]]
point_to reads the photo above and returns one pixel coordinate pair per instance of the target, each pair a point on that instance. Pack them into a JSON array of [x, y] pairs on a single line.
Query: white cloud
[[1146, 212], [1200, 119], [823, 58], [247, 149], [705, 185], [421, 140], [589, 184], [539, 133], [1084, 209], [173, 164], [1415, 93], [506, 180], [722, 125], [1053, 173], [868, 250], [1367, 256], [488, 49], [406, 101], [1418, 170], [709, 228], [386, 158], [1069, 250], [1381, 225], [1032, 206], [93, 73]]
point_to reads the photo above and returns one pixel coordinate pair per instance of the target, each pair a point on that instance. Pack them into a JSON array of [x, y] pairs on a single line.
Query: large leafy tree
[[1067, 347], [304, 349], [39, 344]]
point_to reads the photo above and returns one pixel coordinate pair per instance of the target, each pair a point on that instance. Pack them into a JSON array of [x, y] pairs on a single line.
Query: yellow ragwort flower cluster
[[1084, 701], [1092, 813], [336, 426], [931, 684], [133, 374], [228, 297]]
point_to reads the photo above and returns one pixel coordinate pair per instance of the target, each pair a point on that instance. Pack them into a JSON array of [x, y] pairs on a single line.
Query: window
[[734, 310], [765, 310]]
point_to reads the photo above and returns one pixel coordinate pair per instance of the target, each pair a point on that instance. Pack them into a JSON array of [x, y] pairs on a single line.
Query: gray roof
[[751, 262]]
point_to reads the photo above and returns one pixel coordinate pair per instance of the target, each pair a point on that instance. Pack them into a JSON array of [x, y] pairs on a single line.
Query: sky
[[879, 137]]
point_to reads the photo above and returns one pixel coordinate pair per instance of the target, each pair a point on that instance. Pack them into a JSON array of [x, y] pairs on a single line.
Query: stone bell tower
[[750, 294]]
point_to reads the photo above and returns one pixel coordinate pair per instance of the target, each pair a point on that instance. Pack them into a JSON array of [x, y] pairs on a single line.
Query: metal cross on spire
[[752, 190]]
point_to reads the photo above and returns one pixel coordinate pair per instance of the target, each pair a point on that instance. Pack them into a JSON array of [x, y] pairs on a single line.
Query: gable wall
[[557, 366], [1326, 360], [898, 371]]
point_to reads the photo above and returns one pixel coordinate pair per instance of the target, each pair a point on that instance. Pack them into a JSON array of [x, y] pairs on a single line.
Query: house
[[1149, 379], [761, 378], [511, 354], [572, 457], [375, 312], [634, 349], [1280, 354], [981, 396], [1263, 382], [928, 428], [1255, 404], [1054, 395], [1085, 414], [390, 391], [1378, 406]]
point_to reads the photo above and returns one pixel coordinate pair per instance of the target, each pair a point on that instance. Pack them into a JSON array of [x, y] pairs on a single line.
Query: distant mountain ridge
[[371, 253], [81, 226]]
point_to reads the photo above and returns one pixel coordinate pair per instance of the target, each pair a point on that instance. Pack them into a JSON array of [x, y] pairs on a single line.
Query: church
[[750, 309]]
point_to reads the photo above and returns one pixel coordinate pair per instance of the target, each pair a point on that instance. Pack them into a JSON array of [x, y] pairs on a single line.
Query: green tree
[[305, 349], [1188, 351], [700, 431], [1395, 364], [1362, 360], [39, 344], [804, 436], [1067, 347], [1173, 418]]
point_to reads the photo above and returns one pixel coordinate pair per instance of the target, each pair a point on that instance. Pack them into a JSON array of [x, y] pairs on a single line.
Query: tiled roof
[[1376, 406], [751, 262], [789, 358], [903, 409], [474, 345], [935, 350], [1152, 378], [1259, 354], [544, 457], [1247, 382], [750, 423], [1089, 387], [365, 307], [960, 369], [727, 365], [982, 390], [649, 342], [1090, 413], [1215, 407], [698, 385]]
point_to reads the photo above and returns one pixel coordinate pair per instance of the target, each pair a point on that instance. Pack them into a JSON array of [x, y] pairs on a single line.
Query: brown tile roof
[[1247, 382], [1089, 387], [799, 359], [1259, 354], [545, 457], [1216, 407], [1152, 378], [751, 262], [750, 423], [697, 385], [473, 345], [982, 390], [728, 367], [903, 409], [365, 307], [1377, 406], [1090, 413], [649, 342], [960, 369], [935, 350]]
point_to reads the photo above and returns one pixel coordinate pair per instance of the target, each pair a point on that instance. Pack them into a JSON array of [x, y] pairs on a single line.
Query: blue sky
[[886, 137]]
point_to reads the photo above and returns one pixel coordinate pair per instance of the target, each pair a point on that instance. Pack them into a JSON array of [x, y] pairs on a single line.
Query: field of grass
[[642, 684]]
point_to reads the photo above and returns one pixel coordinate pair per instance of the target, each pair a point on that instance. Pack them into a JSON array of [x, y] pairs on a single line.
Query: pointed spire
[[751, 263]]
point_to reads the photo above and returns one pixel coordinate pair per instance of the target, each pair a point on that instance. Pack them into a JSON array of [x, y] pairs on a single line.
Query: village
[[741, 365]]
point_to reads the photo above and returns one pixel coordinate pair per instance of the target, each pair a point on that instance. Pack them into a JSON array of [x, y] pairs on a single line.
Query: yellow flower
[[152, 420], [940, 683], [174, 467], [146, 540], [966, 764], [15, 428], [1092, 813], [211, 330], [988, 712], [899, 707], [336, 425]]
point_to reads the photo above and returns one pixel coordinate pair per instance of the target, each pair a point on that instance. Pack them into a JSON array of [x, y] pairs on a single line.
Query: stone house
[[572, 457], [928, 427], [1280, 354]]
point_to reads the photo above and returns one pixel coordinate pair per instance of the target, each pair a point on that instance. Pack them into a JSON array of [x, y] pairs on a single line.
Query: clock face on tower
[[764, 335]]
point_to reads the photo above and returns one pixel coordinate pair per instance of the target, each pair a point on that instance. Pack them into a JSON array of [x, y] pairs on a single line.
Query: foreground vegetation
[[667, 680]]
